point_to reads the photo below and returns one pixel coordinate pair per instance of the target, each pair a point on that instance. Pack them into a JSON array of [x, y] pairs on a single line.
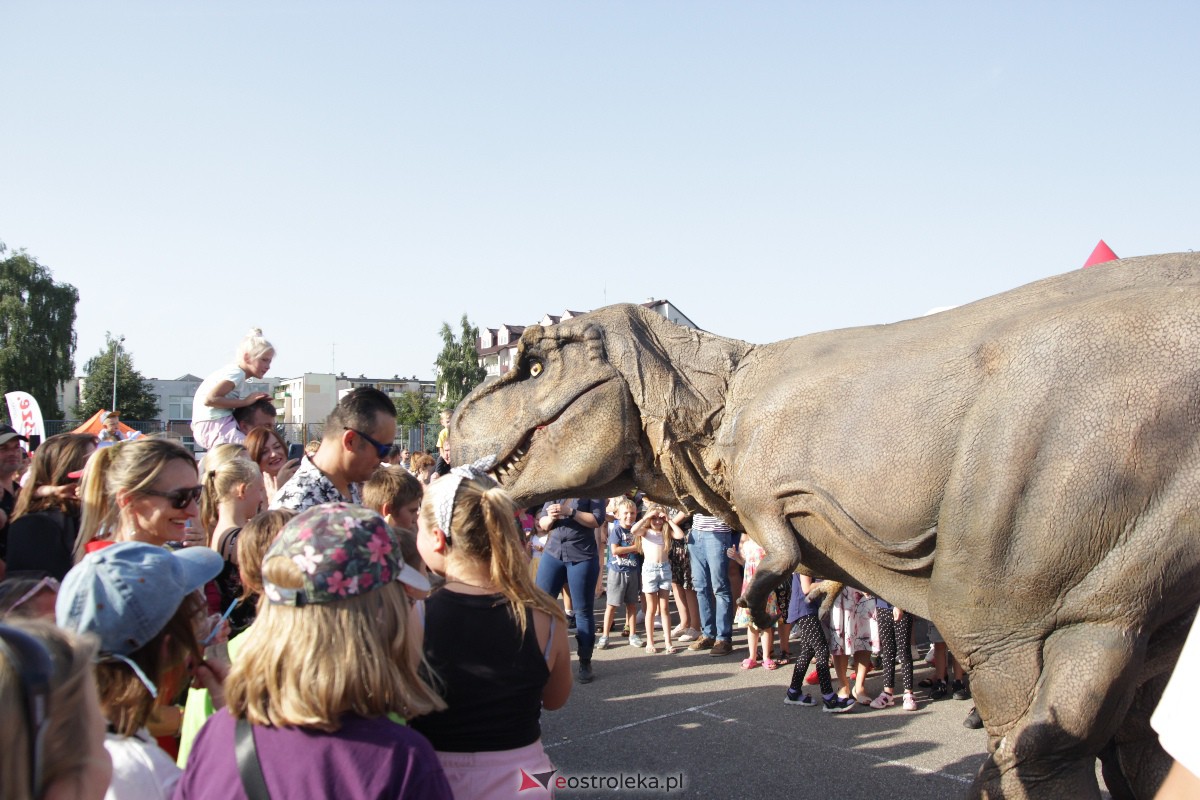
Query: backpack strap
[[253, 781]]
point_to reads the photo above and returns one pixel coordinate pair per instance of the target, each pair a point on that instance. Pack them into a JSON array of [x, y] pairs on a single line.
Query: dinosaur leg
[[1077, 696], [783, 554]]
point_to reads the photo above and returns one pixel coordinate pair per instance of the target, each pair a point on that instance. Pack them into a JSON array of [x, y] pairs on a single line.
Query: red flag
[[1101, 254]]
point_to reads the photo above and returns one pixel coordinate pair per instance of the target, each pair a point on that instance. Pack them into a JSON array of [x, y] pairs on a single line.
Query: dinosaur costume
[[1032, 459]]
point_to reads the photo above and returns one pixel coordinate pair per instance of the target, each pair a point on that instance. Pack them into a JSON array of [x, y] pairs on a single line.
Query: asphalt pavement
[[700, 726]]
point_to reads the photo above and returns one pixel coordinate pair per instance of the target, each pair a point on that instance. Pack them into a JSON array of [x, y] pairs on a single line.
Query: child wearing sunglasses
[[145, 490], [140, 602]]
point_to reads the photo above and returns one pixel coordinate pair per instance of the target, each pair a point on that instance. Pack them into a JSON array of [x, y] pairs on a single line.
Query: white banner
[[26, 415]]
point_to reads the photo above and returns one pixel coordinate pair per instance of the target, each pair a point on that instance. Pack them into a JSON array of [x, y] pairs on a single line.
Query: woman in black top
[[46, 517]]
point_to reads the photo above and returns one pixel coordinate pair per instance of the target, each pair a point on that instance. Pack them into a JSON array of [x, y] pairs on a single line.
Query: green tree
[[135, 395], [413, 409], [37, 330], [458, 368]]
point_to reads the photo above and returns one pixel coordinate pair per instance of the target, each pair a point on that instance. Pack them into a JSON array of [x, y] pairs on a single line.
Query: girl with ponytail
[[489, 619]]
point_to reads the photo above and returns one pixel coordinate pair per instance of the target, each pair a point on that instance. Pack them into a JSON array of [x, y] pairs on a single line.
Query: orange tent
[[93, 425]]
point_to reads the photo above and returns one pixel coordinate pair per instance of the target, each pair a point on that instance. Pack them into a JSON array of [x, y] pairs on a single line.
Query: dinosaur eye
[[535, 369]]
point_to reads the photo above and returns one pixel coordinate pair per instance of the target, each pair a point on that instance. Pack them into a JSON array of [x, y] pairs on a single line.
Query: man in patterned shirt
[[358, 434]]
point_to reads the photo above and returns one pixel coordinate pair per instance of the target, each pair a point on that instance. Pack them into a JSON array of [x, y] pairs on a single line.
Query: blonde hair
[[253, 543], [130, 466], [307, 666], [219, 484], [254, 345], [484, 530], [71, 656], [624, 502], [391, 485]]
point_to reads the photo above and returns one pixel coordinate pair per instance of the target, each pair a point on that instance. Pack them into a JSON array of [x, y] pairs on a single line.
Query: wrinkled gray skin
[[1022, 470]]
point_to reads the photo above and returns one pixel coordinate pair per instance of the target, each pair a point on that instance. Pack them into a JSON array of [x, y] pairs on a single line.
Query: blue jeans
[[580, 577], [710, 576]]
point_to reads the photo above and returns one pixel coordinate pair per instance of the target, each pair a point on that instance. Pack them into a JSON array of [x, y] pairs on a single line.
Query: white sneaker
[[658, 624], [689, 635], [677, 630], [641, 617]]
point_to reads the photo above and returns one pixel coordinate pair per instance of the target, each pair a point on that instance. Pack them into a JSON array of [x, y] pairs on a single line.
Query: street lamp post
[[116, 342]]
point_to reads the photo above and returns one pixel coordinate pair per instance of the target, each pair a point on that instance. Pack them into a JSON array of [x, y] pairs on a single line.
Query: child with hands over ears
[[653, 533]]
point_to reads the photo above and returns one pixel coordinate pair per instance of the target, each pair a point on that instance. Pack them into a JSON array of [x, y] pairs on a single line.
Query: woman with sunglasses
[[145, 490], [46, 520]]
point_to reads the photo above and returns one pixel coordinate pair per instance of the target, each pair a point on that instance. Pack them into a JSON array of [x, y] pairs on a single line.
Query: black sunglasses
[[178, 498], [31, 661], [381, 449]]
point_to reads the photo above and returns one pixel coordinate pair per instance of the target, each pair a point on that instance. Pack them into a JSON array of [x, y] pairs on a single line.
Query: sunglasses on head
[[178, 498], [381, 449]]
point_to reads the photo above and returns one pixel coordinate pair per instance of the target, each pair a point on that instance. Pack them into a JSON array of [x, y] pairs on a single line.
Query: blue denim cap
[[126, 593]]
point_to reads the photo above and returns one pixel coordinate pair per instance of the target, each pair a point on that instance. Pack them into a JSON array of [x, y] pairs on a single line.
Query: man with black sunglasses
[[358, 434]]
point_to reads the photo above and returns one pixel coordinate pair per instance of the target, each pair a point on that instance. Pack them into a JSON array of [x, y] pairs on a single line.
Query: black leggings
[[895, 638], [812, 645]]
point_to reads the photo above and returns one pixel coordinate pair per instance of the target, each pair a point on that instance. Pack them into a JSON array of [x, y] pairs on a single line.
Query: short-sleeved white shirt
[[141, 768], [1175, 717], [229, 372]]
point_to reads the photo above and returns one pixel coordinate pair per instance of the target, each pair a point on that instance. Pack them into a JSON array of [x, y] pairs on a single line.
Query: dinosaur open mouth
[[509, 468]]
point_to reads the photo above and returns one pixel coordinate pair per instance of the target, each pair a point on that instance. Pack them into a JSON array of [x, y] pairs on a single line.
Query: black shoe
[[939, 690], [973, 720], [584, 675], [961, 692]]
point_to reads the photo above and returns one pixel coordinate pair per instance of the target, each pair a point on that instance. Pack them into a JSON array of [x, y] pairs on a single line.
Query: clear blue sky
[[358, 172]]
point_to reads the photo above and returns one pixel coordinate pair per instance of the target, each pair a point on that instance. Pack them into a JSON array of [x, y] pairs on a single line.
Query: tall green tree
[[135, 395], [37, 330], [415, 408], [458, 368]]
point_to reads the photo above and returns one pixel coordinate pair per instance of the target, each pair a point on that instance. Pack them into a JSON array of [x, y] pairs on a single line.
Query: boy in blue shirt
[[624, 570]]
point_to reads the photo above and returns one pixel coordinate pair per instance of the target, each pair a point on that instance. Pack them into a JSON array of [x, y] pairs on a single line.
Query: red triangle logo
[[529, 782], [1101, 254]]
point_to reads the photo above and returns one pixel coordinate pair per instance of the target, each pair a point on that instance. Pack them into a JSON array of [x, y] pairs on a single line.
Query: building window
[[179, 407]]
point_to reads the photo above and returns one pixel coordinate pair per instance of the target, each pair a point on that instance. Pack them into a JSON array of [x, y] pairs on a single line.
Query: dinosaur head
[[560, 423]]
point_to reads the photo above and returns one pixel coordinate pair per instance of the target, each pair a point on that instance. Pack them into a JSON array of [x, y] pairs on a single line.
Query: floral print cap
[[342, 551]]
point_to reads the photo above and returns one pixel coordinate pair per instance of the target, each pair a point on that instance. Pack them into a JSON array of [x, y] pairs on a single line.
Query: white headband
[[448, 484]]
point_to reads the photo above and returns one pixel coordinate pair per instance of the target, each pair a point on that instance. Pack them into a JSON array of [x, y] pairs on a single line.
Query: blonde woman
[[41, 664], [144, 490], [496, 641], [328, 673]]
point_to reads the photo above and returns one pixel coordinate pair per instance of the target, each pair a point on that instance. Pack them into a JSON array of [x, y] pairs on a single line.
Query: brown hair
[[58, 455], [393, 486], [484, 530], [253, 542], [126, 701], [256, 443]]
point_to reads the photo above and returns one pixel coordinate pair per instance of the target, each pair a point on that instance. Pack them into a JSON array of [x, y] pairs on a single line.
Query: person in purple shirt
[[325, 685]]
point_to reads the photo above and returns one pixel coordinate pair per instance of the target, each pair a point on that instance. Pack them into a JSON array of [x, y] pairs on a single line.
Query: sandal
[[885, 700], [668, 650], [651, 649], [770, 663], [749, 663]]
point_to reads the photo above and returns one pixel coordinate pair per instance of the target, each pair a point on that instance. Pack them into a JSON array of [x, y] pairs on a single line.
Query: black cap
[[8, 433]]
